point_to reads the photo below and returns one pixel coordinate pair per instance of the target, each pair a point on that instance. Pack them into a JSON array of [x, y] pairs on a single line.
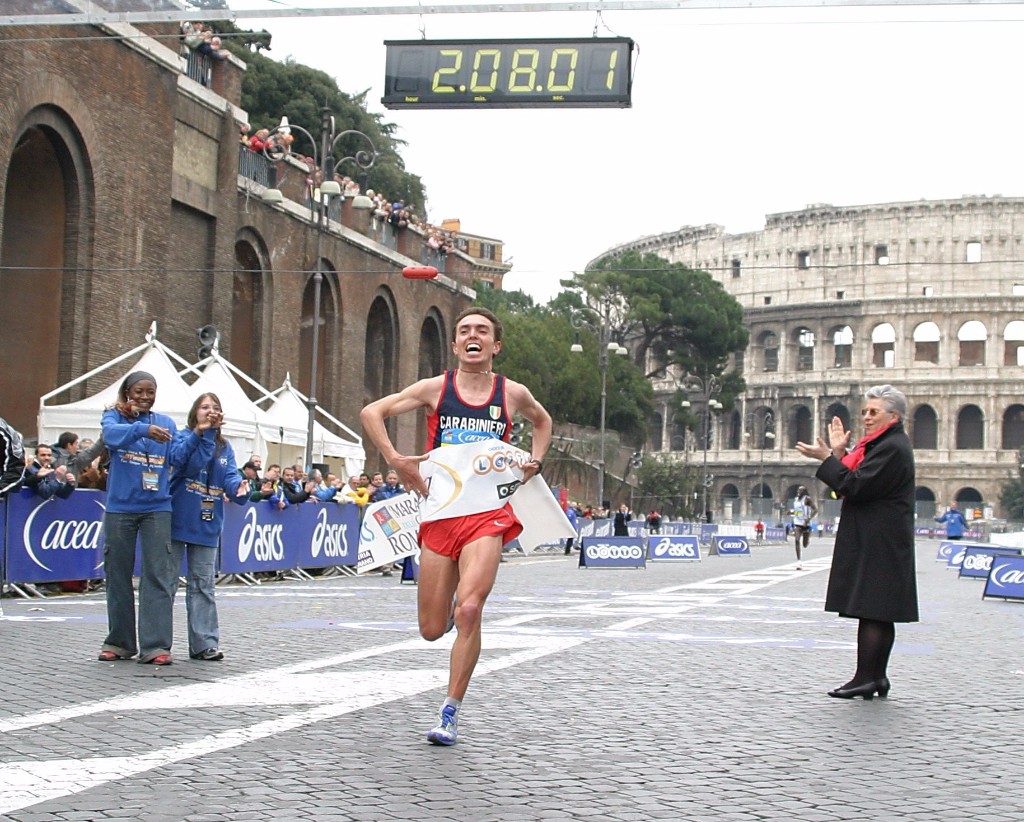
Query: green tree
[[1011, 496], [668, 314], [271, 90], [668, 485]]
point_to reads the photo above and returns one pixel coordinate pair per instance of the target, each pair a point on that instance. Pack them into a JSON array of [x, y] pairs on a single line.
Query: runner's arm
[[420, 394], [526, 404]]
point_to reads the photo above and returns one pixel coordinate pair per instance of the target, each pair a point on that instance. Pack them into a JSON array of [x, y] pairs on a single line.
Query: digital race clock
[[576, 72]]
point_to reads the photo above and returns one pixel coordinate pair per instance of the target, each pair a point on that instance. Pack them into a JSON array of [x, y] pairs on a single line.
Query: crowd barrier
[[56, 540]]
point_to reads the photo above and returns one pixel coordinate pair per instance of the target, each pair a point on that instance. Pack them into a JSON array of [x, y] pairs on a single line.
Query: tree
[[271, 90], [668, 314], [668, 485], [1011, 496]]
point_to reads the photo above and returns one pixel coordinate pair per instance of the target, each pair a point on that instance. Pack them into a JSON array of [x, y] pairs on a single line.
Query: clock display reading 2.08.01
[[575, 72]]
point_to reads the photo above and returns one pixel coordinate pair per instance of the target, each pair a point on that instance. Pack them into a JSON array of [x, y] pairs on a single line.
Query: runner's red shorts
[[447, 537]]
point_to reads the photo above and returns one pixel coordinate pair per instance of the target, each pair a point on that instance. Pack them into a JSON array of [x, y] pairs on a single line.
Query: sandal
[[111, 656], [159, 659]]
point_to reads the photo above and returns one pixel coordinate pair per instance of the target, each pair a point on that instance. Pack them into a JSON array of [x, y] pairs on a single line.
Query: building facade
[[127, 197], [926, 295]]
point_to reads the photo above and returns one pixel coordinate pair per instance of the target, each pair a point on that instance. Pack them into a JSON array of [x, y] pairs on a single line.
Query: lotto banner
[[1006, 579], [389, 532], [612, 552], [978, 560], [56, 539], [678, 549]]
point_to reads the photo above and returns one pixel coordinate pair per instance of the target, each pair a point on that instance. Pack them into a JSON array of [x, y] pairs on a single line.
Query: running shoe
[[447, 730]]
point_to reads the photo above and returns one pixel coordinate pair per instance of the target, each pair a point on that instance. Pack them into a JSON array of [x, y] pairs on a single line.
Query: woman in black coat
[[873, 574]]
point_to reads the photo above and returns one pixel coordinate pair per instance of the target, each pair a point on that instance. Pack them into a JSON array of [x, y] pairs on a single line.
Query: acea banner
[[1006, 579], [56, 539], [678, 549], [730, 546], [946, 550], [613, 552]]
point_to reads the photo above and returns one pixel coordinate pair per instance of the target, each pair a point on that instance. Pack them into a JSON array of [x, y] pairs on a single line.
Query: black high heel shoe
[[867, 690], [882, 686]]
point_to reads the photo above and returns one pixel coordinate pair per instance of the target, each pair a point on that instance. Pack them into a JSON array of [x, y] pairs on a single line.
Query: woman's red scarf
[[856, 456]]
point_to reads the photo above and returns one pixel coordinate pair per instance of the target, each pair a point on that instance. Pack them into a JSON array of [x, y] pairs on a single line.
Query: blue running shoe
[[447, 730]]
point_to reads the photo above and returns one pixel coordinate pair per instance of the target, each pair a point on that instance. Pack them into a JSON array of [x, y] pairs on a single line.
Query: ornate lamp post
[[707, 390], [321, 201], [766, 435], [606, 346]]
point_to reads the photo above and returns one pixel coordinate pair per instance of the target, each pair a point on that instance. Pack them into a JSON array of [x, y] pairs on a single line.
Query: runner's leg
[[478, 567], [439, 575]]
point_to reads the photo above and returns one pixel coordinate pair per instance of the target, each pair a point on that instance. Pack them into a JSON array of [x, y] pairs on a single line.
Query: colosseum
[[926, 295]]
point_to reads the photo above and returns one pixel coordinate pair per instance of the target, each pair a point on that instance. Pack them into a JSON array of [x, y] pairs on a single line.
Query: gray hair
[[894, 400]]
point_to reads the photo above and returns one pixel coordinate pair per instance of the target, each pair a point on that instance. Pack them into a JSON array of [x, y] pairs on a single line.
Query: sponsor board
[[389, 532], [613, 552], [1005, 579], [411, 568], [956, 554], [56, 539], [945, 550], [730, 546], [977, 561], [673, 548]]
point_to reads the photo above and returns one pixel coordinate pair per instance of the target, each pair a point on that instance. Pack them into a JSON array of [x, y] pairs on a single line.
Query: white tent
[[289, 409], [173, 396], [241, 416]]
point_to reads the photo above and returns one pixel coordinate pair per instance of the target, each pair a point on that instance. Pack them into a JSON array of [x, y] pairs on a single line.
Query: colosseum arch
[[729, 499], [801, 426], [1013, 427], [970, 428], [926, 342], [768, 345], [432, 350], [968, 497], [47, 258], [925, 427], [327, 336], [839, 409], [1013, 343], [924, 502], [804, 340], [972, 336], [732, 429], [883, 346], [654, 429], [252, 292], [842, 346]]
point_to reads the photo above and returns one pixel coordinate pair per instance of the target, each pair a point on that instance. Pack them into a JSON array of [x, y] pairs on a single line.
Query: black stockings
[[874, 644]]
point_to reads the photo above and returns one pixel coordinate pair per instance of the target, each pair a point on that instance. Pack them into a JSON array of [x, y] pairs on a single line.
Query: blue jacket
[[132, 453], [955, 523], [48, 486], [203, 475]]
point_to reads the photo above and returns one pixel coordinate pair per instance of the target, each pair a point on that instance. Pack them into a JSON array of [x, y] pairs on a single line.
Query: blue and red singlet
[[455, 421]]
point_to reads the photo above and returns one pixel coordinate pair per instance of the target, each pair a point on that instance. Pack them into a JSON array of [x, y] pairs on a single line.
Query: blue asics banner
[[262, 537], [612, 552], [56, 539], [730, 545], [673, 548], [1006, 579], [978, 560]]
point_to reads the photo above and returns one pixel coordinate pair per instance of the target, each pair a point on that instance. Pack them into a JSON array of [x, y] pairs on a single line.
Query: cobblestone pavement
[[686, 691]]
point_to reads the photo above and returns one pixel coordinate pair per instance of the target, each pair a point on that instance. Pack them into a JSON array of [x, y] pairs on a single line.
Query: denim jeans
[[200, 603], [120, 531]]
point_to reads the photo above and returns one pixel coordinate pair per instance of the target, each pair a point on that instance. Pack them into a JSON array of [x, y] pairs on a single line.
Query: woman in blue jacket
[[197, 519], [140, 443]]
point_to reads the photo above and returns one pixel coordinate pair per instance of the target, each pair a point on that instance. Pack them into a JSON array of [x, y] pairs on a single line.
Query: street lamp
[[767, 435], [321, 200], [707, 389], [606, 346]]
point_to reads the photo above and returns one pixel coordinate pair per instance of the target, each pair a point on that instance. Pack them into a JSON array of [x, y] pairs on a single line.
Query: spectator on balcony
[[258, 141], [243, 133]]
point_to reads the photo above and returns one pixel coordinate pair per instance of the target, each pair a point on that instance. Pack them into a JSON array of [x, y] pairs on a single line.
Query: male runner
[[460, 556], [803, 510]]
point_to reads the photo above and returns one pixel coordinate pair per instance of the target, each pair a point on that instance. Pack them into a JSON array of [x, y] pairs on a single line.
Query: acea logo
[[42, 533], [665, 547], [602, 550], [1006, 574], [726, 544], [958, 557], [328, 537], [262, 541]]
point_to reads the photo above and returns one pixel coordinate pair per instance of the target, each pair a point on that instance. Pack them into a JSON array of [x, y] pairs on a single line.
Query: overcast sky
[[736, 114]]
